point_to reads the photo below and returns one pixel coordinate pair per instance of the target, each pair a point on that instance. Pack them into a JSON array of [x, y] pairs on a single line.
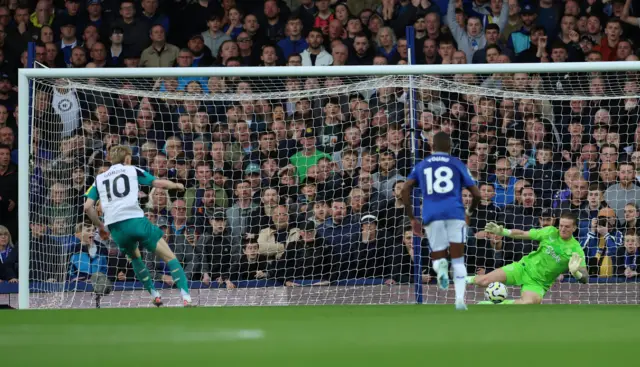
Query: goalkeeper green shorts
[[517, 275], [128, 233]]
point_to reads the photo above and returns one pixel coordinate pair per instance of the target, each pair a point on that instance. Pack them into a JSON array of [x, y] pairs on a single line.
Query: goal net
[[292, 181]]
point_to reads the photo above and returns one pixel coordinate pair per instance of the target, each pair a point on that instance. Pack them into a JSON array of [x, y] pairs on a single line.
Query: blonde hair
[[3, 230], [150, 204], [118, 153]]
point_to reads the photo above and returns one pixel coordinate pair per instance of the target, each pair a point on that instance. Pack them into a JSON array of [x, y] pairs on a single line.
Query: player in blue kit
[[441, 179]]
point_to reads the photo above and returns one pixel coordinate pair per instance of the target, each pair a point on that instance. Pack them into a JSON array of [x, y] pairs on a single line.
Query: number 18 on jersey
[[441, 179]]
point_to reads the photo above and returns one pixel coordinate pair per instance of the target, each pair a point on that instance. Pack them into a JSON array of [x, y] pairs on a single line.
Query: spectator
[[504, 183], [625, 191], [216, 251], [315, 54], [384, 180], [307, 259], [160, 53], [472, 39], [90, 257], [602, 242], [294, 43], [252, 265], [8, 257], [135, 30], [628, 257], [214, 37], [276, 238]]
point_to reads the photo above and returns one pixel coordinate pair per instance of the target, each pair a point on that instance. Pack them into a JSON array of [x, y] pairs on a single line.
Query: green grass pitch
[[327, 336]]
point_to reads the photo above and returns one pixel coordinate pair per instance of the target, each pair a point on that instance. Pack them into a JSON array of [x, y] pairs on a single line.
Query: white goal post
[[419, 77]]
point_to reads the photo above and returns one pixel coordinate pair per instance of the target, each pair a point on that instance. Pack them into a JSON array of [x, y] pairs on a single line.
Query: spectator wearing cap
[[602, 242], [70, 13], [308, 156], [294, 43], [253, 175], [160, 53], [374, 254], [95, 17], [520, 40], [136, 30], [471, 39], [252, 265], [306, 259], [275, 239], [315, 54], [151, 15], [68, 39], [217, 251], [201, 53], [213, 37]]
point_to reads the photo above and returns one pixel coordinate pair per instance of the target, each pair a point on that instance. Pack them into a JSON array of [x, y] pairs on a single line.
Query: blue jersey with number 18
[[441, 179]]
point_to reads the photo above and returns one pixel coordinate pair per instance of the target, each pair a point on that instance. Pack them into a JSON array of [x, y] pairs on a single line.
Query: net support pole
[[24, 111], [417, 248]]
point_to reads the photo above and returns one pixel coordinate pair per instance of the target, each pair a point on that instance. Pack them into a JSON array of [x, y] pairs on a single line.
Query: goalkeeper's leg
[[177, 272], [498, 275]]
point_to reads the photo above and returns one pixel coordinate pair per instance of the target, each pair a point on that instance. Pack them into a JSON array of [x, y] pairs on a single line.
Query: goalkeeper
[[557, 252]]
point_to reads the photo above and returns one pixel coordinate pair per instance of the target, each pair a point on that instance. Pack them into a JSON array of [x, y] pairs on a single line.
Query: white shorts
[[441, 233]]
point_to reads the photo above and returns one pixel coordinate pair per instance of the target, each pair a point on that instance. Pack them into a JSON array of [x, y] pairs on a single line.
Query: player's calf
[[483, 281], [529, 298]]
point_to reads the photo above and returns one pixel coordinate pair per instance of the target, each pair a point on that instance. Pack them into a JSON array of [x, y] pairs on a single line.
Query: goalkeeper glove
[[496, 229], [574, 265]]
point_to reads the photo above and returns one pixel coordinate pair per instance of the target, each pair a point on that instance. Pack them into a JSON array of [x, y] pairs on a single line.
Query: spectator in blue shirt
[[504, 183], [294, 44]]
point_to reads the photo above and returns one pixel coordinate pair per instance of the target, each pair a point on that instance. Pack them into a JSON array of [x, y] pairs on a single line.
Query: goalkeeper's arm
[[579, 272], [511, 233], [166, 184]]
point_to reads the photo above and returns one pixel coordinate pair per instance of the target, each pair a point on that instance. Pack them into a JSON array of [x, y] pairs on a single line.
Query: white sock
[[436, 265], [185, 295], [459, 277], [155, 293]]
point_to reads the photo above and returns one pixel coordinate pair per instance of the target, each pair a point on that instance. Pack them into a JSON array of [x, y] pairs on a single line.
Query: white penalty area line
[[26, 335]]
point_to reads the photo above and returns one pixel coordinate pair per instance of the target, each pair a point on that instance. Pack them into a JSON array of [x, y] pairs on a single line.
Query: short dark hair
[[492, 26], [567, 214], [4, 146], [442, 142]]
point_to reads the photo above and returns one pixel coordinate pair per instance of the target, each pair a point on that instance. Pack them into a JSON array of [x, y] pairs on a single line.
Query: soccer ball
[[496, 292]]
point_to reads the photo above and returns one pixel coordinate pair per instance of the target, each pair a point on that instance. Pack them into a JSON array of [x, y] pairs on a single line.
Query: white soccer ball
[[496, 292]]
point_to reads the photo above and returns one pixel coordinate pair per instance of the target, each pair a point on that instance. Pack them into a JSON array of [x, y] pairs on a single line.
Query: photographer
[[602, 242]]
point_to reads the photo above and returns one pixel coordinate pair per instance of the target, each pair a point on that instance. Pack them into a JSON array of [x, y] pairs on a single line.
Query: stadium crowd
[[308, 188]]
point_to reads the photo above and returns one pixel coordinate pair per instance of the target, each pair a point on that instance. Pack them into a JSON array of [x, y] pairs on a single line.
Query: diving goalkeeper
[[557, 252]]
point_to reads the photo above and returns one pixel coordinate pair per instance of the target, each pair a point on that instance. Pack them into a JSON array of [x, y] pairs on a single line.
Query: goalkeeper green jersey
[[552, 256]]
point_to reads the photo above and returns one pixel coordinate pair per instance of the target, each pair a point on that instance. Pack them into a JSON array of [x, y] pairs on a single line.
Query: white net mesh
[[283, 174]]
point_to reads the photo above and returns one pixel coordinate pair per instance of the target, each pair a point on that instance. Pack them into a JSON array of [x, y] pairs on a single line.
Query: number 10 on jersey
[[442, 183]]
